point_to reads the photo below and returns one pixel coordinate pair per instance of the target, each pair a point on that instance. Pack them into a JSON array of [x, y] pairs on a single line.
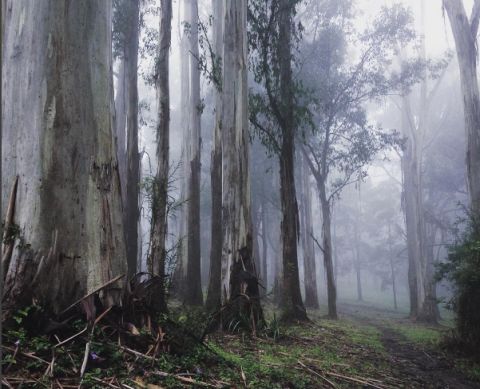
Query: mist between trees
[[235, 157]]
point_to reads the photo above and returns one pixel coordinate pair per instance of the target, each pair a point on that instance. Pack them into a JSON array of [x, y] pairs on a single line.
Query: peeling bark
[[58, 141], [239, 280]]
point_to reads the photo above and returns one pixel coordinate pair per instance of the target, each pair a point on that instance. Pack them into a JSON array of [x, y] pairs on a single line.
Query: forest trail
[[419, 364]]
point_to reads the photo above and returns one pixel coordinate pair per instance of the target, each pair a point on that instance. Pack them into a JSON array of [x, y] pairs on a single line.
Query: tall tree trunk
[[413, 209], [356, 241], [392, 268], [131, 206], [264, 247], [238, 265], [214, 286], [429, 308], [59, 145], [311, 296], [465, 35], [193, 287], [292, 303], [157, 257], [327, 249]]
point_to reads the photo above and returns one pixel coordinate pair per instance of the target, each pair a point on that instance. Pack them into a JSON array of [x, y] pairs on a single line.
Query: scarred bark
[[239, 278], [59, 142]]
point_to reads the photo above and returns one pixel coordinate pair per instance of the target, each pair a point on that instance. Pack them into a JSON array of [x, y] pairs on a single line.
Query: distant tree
[[343, 141], [126, 29], [64, 231], [276, 117]]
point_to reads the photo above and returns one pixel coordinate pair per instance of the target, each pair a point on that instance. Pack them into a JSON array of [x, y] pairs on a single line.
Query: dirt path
[[414, 365]]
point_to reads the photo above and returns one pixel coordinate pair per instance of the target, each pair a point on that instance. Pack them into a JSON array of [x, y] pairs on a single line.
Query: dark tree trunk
[[214, 294], [193, 286], [157, 257], [292, 304], [131, 207]]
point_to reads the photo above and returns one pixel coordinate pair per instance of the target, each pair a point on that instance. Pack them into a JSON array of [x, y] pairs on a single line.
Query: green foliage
[[462, 269]]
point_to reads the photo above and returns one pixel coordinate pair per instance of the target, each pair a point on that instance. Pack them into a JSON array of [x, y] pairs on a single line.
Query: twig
[[85, 359], [28, 355], [136, 353], [357, 380], [7, 248], [317, 374], [96, 290], [187, 380], [71, 337]]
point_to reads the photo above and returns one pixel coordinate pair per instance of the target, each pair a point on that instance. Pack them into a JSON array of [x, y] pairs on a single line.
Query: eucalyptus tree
[[65, 233], [307, 237], [465, 32], [238, 273], [192, 288], [277, 116], [157, 255], [343, 141], [126, 26], [213, 301]]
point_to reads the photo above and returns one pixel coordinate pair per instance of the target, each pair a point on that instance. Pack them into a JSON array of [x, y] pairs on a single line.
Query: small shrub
[[462, 269]]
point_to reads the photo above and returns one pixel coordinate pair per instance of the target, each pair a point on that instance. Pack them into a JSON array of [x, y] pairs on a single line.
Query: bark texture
[[238, 273], [126, 109], [465, 35], [292, 304], [213, 302], [68, 237], [157, 257], [193, 287]]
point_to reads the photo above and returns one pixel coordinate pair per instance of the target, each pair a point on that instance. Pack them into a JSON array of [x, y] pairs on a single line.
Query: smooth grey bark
[[59, 145], [213, 301], [392, 267], [327, 248], [311, 297], [238, 273], [193, 287], [157, 257], [465, 34], [291, 303], [357, 259], [413, 210]]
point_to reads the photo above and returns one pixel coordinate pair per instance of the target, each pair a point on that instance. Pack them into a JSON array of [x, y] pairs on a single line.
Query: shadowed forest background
[[233, 193]]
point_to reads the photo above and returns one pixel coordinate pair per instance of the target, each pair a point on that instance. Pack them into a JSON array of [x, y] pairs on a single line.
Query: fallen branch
[[186, 380], [317, 374], [96, 290]]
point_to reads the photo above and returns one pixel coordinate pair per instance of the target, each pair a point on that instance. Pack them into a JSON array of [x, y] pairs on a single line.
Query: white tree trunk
[[58, 141], [465, 35], [237, 252]]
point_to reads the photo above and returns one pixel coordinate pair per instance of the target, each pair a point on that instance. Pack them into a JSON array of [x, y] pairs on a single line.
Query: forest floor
[[367, 347]]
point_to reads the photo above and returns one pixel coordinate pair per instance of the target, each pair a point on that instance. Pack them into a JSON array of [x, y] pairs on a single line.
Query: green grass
[[419, 334]]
